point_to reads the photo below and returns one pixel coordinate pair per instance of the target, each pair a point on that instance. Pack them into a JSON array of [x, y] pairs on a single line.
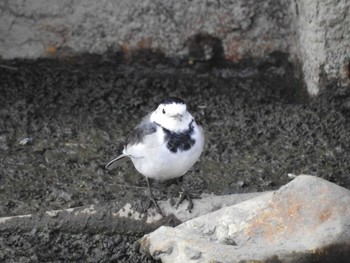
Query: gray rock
[[307, 220], [204, 205]]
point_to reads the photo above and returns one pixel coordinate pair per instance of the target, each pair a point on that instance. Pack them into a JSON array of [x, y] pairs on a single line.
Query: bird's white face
[[173, 116]]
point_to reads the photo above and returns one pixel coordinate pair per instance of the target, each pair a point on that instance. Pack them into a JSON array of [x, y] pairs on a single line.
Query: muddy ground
[[62, 120]]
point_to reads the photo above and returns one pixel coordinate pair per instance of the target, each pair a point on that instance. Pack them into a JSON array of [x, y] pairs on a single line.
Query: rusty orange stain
[[232, 52], [145, 43], [125, 47], [347, 69], [268, 224], [51, 49], [324, 215], [293, 209], [279, 220]]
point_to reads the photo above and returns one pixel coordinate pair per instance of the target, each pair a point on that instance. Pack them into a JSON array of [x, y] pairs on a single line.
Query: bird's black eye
[[163, 111]]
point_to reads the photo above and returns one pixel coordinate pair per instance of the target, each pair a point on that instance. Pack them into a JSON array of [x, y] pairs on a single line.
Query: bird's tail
[[116, 162]]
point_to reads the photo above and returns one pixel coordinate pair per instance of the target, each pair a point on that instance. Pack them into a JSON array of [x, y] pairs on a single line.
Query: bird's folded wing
[[146, 127]]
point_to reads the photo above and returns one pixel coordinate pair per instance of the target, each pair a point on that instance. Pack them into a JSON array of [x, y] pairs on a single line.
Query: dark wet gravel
[[57, 246], [62, 120]]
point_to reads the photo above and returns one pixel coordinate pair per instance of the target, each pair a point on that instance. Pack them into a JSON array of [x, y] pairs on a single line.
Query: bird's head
[[172, 114]]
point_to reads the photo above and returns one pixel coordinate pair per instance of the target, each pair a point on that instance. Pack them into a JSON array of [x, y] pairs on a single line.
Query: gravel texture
[[62, 120]]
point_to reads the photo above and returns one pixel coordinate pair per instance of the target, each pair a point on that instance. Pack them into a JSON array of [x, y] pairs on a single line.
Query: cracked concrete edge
[[119, 217]]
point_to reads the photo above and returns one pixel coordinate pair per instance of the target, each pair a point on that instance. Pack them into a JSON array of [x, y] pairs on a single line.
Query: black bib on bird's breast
[[179, 141]]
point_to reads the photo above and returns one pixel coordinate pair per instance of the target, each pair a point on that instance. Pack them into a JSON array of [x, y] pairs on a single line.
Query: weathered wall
[[315, 32], [322, 40], [34, 28]]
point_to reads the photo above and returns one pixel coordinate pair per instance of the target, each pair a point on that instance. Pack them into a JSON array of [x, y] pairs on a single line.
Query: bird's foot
[[184, 195], [153, 201]]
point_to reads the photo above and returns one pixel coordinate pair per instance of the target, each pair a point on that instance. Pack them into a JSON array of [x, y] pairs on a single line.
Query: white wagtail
[[165, 145]]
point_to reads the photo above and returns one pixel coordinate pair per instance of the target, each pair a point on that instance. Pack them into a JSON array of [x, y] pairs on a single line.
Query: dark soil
[[61, 121]]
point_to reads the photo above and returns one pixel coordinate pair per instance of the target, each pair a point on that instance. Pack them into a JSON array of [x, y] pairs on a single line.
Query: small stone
[[291, 176], [241, 183], [26, 141]]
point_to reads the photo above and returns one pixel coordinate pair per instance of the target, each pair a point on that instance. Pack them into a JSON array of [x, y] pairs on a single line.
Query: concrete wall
[[322, 40], [315, 32]]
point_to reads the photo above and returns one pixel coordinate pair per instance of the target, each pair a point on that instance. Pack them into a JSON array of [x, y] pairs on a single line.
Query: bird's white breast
[[153, 159]]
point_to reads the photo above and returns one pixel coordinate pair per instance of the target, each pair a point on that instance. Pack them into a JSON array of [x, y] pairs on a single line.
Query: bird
[[164, 145]]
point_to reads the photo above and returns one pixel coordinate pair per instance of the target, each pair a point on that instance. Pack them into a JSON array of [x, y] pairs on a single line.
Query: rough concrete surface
[[323, 41], [306, 220], [315, 33], [36, 28], [121, 216]]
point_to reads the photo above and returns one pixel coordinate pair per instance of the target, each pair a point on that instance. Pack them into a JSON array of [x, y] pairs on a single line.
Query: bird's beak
[[177, 116]]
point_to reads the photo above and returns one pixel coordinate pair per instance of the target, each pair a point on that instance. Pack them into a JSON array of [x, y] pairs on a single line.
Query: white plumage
[[166, 144]]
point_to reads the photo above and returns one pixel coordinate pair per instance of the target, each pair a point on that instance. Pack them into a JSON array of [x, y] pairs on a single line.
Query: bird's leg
[[152, 198], [184, 195]]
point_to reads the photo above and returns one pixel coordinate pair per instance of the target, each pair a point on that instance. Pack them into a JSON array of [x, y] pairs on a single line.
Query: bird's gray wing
[[146, 127], [116, 162]]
